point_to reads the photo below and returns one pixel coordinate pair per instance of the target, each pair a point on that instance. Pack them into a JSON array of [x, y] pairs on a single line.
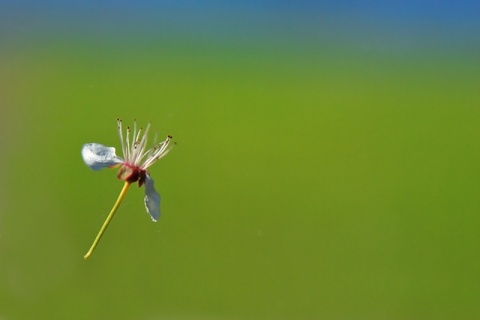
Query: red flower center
[[131, 173]]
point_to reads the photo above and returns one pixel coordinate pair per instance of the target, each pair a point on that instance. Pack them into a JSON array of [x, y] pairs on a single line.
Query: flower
[[133, 166], [136, 160]]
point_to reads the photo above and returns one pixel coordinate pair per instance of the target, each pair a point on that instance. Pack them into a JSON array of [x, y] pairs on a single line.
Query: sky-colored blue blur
[[366, 25]]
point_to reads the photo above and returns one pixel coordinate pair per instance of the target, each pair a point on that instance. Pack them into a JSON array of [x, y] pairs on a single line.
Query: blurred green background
[[327, 163]]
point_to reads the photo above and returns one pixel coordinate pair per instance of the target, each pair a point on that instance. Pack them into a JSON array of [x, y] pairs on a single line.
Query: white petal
[[152, 199], [97, 156]]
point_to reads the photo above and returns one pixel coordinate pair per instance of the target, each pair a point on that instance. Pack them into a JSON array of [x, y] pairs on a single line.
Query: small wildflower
[[133, 167]]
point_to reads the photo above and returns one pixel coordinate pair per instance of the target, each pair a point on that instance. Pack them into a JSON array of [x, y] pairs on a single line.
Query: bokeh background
[[327, 164]]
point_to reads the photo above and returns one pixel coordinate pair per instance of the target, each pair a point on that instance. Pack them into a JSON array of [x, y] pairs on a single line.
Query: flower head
[[133, 166]]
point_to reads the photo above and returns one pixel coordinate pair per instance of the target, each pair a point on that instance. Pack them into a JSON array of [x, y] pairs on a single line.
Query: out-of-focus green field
[[306, 184]]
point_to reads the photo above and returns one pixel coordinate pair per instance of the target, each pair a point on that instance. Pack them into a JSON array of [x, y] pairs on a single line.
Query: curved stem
[[107, 221]]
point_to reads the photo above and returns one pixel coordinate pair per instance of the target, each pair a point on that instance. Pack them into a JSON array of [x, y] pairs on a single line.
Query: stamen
[[147, 154], [120, 135], [152, 150], [127, 140], [154, 155], [136, 149], [134, 131], [138, 135], [165, 144], [143, 142]]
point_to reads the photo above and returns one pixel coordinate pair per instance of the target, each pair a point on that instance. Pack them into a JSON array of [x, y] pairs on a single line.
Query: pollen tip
[[170, 136]]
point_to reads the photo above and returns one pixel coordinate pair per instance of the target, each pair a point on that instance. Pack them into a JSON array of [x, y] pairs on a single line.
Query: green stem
[[107, 221]]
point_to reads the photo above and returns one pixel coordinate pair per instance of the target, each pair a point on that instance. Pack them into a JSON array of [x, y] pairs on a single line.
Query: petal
[[152, 199], [97, 156]]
